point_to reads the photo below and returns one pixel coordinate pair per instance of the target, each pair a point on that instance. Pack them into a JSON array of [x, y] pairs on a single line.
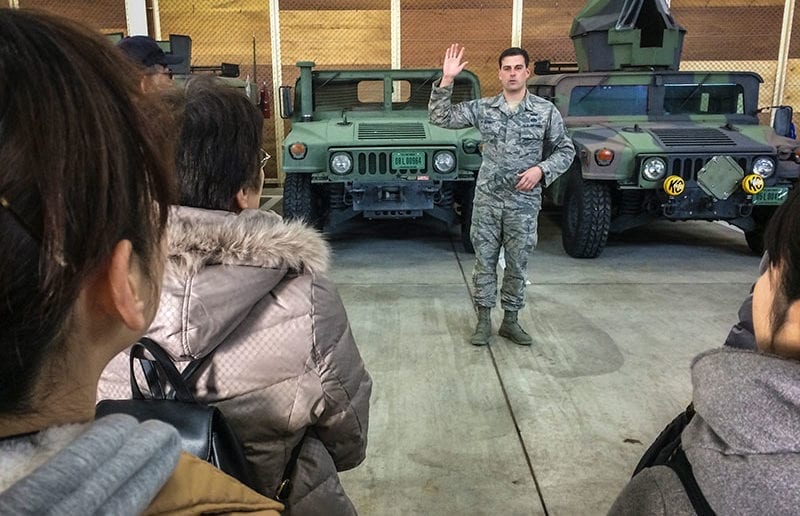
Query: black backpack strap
[[285, 487], [165, 366], [667, 441], [681, 466], [194, 366]]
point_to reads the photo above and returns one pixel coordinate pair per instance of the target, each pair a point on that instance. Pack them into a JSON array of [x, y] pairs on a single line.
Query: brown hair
[[85, 164], [219, 145]]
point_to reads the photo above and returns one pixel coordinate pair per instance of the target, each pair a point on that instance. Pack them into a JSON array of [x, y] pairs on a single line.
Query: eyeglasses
[[264, 157], [161, 70]]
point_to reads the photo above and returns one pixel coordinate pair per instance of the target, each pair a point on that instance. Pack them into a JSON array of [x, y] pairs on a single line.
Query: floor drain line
[[505, 396]]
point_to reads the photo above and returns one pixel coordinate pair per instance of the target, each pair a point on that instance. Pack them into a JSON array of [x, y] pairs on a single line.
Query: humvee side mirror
[[287, 107], [782, 122]]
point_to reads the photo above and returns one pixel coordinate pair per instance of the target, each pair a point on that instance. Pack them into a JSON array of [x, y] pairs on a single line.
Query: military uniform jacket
[[512, 142]]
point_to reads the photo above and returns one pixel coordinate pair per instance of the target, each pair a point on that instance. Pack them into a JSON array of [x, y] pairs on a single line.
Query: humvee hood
[[653, 137], [212, 254]]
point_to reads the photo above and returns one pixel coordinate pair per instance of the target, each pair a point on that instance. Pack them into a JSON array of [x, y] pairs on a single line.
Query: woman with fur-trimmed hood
[[251, 288]]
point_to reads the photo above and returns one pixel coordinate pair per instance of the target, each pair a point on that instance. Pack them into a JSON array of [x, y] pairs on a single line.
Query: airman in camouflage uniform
[[524, 144]]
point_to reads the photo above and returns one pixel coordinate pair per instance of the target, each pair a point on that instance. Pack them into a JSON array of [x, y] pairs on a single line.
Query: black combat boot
[[483, 331], [511, 330]]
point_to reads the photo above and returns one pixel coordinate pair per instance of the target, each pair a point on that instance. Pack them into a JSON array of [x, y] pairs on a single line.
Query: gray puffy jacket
[[251, 288]]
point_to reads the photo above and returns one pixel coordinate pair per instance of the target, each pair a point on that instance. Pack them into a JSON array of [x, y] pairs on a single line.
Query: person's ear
[[127, 288], [241, 199]]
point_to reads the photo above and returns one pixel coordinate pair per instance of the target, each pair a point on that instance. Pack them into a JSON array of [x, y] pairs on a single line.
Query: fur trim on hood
[[200, 237]]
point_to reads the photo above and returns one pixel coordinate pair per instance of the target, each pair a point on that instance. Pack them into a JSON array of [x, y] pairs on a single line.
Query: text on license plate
[[771, 195], [408, 160]]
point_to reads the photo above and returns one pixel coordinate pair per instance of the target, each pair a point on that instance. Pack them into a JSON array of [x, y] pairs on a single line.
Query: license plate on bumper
[[408, 160], [771, 196]]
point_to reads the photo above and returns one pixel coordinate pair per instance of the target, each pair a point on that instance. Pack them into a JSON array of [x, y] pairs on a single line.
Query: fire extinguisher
[[263, 100]]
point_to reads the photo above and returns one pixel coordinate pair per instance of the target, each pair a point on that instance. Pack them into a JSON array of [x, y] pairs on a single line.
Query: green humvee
[[361, 144], [656, 143]]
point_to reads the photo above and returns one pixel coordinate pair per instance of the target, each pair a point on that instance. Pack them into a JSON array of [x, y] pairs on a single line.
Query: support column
[[783, 56], [516, 23], [156, 20], [396, 31], [136, 17], [277, 80]]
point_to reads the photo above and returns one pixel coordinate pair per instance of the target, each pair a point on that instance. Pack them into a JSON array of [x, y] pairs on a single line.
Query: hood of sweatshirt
[[114, 465], [744, 446]]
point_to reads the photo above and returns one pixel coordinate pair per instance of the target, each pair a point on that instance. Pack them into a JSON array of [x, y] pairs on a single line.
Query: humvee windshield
[[679, 99], [703, 99], [367, 95], [608, 100]]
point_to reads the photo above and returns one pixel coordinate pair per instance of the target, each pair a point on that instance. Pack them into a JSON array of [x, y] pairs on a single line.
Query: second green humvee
[[653, 142]]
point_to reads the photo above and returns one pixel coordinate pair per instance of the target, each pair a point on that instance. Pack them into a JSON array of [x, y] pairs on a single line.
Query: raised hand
[[452, 64]]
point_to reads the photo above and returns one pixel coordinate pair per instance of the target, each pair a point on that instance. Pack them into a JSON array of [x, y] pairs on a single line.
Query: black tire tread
[[297, 197], [593, 199]]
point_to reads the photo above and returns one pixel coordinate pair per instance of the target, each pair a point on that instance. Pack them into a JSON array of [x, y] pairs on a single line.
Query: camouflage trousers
[[509, 222]]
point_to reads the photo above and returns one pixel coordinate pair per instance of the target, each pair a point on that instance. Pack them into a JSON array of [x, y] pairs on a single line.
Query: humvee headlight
[[763, 166], [654, 169], [604, 156], [298, 150], [341, 163], [444, 161]]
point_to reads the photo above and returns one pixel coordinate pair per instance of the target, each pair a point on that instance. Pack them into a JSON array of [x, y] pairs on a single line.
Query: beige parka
[[251, 287]]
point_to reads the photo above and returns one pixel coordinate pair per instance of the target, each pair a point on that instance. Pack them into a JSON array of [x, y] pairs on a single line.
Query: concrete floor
[[552, 429]]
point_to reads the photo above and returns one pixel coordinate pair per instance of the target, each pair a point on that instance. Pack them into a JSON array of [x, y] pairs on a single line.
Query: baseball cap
[[145, 51]]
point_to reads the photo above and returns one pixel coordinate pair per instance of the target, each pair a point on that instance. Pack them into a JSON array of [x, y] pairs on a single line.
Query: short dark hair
[[782, 243], [219, 144], [83, 167], [513, 51]]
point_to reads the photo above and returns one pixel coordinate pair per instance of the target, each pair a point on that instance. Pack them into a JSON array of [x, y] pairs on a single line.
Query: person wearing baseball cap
[[153, 61]]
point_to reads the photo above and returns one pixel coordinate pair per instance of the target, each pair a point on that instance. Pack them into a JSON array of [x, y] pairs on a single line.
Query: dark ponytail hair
[[782, 244], [84, 163]]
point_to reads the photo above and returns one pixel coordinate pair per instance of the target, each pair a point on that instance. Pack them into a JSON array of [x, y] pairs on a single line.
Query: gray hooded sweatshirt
[[115, 465], [251, 289], [743, 443]]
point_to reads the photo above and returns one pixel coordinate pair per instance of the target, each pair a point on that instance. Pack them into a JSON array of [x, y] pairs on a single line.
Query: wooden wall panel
[[219, 33], [426, 34], [105, 16], [730, 33], [336, 38]]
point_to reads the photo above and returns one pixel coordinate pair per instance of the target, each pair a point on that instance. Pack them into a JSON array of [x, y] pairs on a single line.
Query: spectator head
[[84, 195], [152, 61], [776, 296], [219, 159]]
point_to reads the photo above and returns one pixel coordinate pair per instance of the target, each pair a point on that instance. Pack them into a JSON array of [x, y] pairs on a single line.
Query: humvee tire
[[586, 217], [297, 197], [755, 237], [466, 218], [755, 240]]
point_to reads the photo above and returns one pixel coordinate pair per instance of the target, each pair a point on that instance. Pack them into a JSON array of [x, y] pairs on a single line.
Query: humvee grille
[[688, 166], [371, 163], [396, 131], [693, 137]]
